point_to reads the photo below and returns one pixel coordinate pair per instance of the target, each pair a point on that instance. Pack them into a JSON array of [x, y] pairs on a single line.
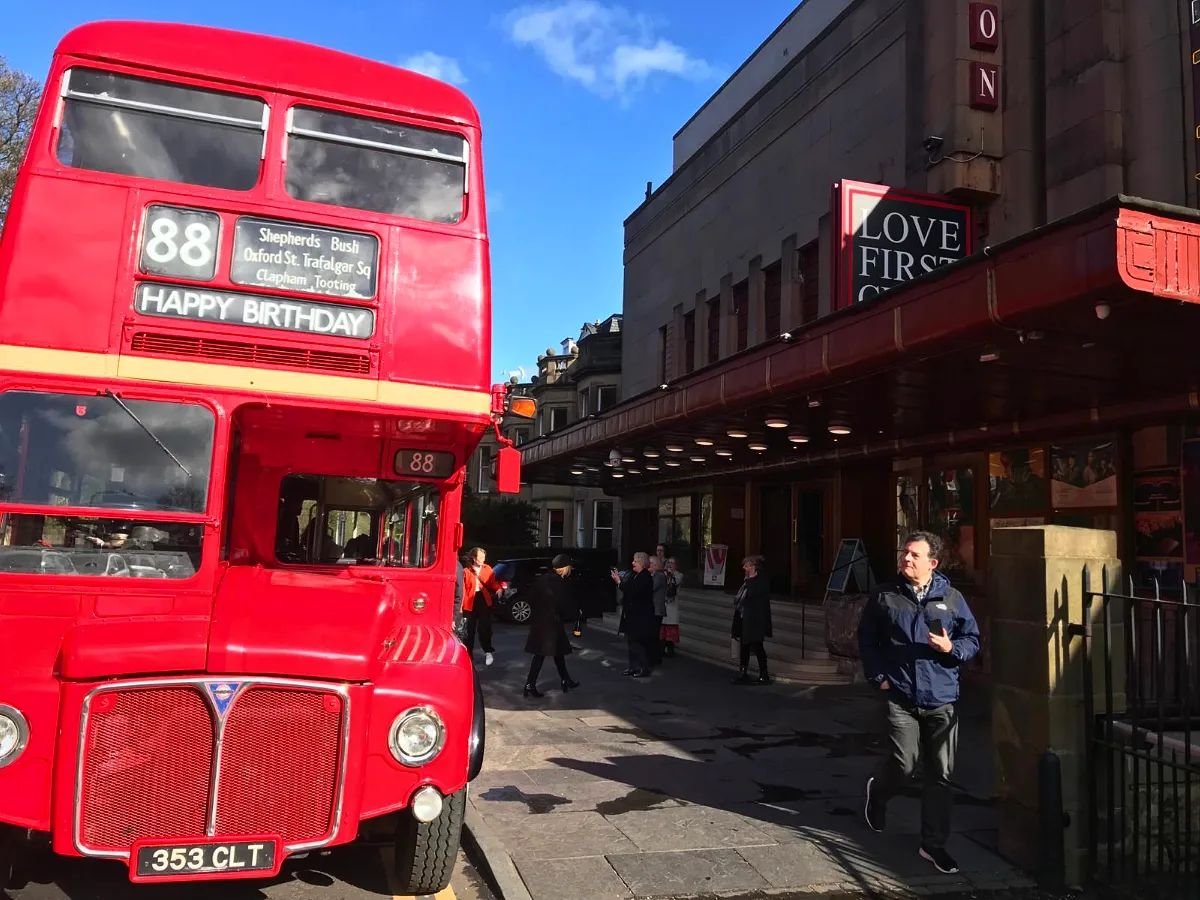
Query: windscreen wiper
[[161, 446]]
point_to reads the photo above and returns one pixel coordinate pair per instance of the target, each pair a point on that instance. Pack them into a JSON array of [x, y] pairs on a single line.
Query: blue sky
[[579, 100]]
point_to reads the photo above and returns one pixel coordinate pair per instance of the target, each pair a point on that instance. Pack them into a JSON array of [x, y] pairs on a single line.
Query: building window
[[580, 525], [741, 306], [951, 516], [714, 330], [583, 403], [808, 268], [484, 481], [556, 527], [553, 418], [520, 436], [675, 522], [689, 342], [662, 355], [772, 301], [602, 525], [606, 396]]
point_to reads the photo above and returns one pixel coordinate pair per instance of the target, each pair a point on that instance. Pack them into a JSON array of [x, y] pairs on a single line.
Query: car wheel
[[520, 610]]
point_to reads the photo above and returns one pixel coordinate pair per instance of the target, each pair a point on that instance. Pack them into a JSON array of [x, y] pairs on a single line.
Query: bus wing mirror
[[508, 470]]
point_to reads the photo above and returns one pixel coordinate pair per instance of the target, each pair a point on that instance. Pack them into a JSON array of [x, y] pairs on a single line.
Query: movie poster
[[1084, 474], [1017, 482]]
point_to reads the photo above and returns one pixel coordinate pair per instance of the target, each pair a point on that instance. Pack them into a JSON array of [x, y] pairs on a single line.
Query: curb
[[493, 860]]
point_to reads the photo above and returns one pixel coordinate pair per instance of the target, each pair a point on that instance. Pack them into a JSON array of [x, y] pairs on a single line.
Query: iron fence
[[1143, 738]]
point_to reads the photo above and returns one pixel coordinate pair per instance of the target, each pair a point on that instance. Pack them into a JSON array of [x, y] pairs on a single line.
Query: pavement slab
[[683, 785]]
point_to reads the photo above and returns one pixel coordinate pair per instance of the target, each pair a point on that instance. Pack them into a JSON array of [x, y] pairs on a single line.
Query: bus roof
[[269, 63]]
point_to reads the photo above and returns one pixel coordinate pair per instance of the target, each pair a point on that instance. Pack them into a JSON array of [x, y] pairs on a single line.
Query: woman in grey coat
[[752, 619]]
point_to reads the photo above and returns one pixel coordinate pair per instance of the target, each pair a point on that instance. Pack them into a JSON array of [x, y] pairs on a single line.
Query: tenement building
[[919, 263]]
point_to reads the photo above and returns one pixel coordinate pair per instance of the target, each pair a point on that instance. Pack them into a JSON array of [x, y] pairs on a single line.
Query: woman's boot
[[569, 684], [743, 677], [531, 691]]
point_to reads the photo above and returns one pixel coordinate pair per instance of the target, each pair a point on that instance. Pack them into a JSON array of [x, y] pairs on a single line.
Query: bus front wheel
[[426, 851], [12, 847]]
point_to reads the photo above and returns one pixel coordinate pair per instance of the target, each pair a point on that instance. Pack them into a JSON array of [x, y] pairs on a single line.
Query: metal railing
[[1142, 731]]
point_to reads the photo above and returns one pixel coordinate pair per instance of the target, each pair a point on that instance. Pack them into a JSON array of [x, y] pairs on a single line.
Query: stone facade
[[1095, 100]]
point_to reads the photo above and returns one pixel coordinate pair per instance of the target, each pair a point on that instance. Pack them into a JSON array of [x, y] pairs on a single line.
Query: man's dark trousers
[[931, 734]]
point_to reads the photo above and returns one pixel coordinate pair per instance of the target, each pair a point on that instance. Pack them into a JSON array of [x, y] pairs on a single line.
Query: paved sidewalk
[[683, 784]]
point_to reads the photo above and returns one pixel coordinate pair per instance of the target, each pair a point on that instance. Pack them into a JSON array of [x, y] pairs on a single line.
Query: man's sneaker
[[942, 861], [488, 659], [875, 814]]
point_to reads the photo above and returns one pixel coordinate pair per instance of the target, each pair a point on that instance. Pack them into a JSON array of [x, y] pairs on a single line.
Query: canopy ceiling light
[[592, 469], [628, 459], [650, 453], [634, 471], [697, 458], [674, 448], [813, 404], [798, 438], [650, 467], [737, 433], [757, 446], [988, 356], [839, 427], [618, 474], [704, 442], [724, 452], [776, 422], [673, 463], [577, 471]]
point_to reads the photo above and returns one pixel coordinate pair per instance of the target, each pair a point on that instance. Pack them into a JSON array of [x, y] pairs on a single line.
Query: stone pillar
[[826, 251], [679, 366], [1036, 591]]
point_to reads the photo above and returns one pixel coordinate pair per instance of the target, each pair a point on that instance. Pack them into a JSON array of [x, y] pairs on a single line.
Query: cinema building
[[899, 278]]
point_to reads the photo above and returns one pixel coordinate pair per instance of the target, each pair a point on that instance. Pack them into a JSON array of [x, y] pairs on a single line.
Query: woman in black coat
[[752, 619], [551, 596], [637, 614]]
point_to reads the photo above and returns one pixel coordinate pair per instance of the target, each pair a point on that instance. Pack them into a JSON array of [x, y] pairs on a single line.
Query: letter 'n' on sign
[[985, 86]]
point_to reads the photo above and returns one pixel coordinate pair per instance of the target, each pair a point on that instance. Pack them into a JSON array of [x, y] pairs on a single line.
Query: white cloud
[[607, 49], [443, 68]]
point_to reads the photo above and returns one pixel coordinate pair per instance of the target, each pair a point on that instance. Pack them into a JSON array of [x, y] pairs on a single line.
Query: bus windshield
[[104, 451], [334, 520]]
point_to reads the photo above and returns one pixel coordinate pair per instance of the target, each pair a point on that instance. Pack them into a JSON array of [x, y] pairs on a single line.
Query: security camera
[[933, 143]]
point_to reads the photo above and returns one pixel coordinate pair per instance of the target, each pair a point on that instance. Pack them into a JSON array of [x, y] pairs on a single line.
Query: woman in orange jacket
[[479, 592]]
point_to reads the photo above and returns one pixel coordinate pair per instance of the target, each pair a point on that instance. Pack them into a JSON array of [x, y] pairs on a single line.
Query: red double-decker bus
[[244, 356]]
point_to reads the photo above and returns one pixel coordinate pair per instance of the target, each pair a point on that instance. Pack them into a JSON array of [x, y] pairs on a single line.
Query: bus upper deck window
[[135, 126], [374, 165]]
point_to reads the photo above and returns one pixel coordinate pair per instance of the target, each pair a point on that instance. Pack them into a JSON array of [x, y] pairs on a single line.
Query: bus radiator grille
[[250, 354], [279, 765], [149, 753], [147, 767]]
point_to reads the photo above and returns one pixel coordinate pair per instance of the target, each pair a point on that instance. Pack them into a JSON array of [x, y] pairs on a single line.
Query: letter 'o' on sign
[[985, 26]]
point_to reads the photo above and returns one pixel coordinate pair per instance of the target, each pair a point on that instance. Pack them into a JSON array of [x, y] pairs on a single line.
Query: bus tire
[[426, 851], [12, 847]]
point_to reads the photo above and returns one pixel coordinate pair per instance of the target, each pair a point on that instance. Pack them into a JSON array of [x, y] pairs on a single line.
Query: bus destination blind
[[277, 313], [305, 259]]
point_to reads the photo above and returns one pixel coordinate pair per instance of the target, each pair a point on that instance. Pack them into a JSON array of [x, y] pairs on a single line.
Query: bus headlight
[[14, 734], [417, 736]]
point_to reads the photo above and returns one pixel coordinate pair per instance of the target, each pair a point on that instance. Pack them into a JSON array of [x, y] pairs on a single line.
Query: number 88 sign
[[181, 243], [424, 464]]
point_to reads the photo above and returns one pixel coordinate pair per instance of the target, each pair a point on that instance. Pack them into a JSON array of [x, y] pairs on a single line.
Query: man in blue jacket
[[915, 633]]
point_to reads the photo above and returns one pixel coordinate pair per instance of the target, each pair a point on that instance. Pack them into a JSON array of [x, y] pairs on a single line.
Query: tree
[[19, 96], [506, 522]]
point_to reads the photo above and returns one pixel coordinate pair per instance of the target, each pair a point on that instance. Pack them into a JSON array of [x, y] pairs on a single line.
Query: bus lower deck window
[[152, 129], [375, 165]]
